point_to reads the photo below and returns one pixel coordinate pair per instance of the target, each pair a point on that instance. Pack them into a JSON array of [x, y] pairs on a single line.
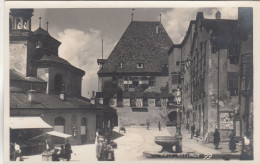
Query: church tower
[[22, 42]]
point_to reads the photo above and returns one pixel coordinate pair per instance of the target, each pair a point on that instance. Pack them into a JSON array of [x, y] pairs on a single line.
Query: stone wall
[[126, 117]]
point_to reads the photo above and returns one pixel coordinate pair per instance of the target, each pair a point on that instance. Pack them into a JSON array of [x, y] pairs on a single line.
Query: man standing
[[216, 136], [232, 142], [68, 150], [159, 126], [148, 124], [192, 130]]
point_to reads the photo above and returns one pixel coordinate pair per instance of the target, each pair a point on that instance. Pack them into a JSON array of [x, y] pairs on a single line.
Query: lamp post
[[178, 134]]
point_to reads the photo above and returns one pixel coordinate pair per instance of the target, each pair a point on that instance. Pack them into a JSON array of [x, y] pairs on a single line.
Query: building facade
[[134, 78], [245, 114], [208, 74], [43, 84]]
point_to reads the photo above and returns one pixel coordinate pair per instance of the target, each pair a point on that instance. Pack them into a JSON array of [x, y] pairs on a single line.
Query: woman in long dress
[[97, 136]]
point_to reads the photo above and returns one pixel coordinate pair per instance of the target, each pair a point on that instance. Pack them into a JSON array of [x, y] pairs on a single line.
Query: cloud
[[176, 21], [82, 49]]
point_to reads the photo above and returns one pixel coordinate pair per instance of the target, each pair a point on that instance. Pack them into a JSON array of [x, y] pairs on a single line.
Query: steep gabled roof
[[41, 33], [140, 43]]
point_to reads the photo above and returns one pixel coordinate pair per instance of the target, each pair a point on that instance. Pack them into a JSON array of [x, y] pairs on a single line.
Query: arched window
[[59, 124], [83, 126], [18, 23], [58, 83]]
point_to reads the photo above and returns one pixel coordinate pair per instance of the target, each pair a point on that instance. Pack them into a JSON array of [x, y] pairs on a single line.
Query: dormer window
[[140, 65], [120, 65]]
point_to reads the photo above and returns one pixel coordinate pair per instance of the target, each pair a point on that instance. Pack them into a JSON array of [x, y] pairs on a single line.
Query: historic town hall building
[[134, 78]]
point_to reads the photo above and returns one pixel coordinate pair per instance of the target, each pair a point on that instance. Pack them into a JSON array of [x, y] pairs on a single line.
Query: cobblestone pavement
[[136, 140]]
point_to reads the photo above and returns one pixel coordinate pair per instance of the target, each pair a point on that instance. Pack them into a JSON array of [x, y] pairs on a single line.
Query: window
[[175, 79], [58, 83], [177, 62], [140, 65], [233, 60], [59, 124], [232, 80], [135, 81], [120, 82], [152, 82], [120, 65], [83, 126]]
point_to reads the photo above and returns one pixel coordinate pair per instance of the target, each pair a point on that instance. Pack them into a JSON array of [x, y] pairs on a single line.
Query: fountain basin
[[167, 142]]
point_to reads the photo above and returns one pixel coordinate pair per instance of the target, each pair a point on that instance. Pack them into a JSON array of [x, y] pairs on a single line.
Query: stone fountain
[[167, 143]]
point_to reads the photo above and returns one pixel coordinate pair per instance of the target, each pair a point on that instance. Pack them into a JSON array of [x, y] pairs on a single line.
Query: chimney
[[93, 98], [31, 96], [218, 15], [99, 97], [62, 93], [157, 29], [101, 101]]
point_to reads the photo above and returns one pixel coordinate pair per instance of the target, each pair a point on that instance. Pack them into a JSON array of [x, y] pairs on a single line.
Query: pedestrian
[[62, 152], [17, 153], [247, 149], [104, 150], [232, 142], [216, 136], [68, 151], [148, 124], [110, 153], [99, 149], [192, 130], [97, 136], [159, 126], [55, 156]]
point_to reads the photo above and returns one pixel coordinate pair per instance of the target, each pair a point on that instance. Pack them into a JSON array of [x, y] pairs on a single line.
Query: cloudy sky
[[81, 31]]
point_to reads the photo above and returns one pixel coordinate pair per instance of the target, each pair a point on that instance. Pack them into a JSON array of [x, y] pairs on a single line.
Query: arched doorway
[[114, 120], [58, 83], [83, 130], [59, 126]]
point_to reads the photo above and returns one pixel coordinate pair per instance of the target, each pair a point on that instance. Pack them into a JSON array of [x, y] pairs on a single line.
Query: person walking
[[216, 136], [192, 130], [68, 151], [159, 126], [148, 124], [247, 149], [232, 142]]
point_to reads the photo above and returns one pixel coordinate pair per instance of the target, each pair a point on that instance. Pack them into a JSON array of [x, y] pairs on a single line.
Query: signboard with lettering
[[226, 120]]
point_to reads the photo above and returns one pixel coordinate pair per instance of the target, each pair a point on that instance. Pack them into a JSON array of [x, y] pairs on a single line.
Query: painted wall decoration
[[163, 102], [126, 102], [226, 120], [139, 102], [151, 102]]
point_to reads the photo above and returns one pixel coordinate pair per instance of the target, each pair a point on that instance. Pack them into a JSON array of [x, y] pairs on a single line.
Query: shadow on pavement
[[116, 135]]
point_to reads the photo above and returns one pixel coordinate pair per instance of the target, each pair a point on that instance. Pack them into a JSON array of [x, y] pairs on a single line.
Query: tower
[[22, 42]]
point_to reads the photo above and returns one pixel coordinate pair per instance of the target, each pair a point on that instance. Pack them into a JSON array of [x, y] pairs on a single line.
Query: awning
[[28, 123], [58, 134]]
